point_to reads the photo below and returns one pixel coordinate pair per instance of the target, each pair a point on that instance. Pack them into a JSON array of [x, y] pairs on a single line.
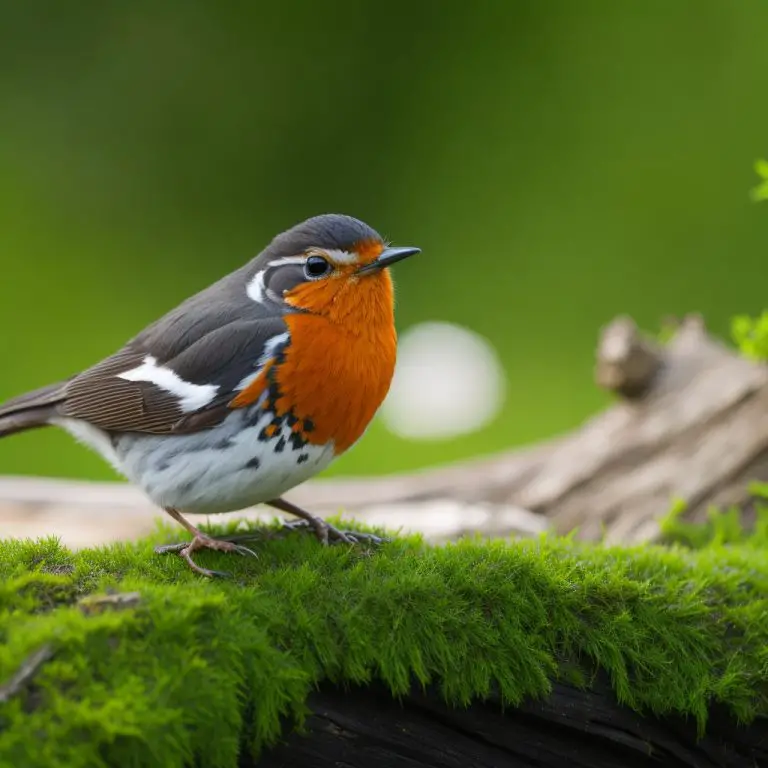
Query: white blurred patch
[[448, 382]]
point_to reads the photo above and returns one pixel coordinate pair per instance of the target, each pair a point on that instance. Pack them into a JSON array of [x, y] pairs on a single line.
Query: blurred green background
[[558, 162]]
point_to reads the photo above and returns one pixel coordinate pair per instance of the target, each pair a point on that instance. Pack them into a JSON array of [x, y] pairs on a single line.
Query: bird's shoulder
[[182, 372]]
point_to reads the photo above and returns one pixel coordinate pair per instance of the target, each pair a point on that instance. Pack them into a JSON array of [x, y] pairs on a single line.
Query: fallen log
[[366, 727], [690, 421]]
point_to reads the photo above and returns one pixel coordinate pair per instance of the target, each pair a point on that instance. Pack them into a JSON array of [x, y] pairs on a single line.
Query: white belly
[[218, 470]]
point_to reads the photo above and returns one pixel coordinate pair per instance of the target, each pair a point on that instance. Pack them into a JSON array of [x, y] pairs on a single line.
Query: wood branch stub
[[627, 362], [365, 727], [26, 672]]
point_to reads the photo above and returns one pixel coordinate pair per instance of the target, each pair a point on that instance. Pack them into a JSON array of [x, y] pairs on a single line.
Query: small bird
[[247, 388]]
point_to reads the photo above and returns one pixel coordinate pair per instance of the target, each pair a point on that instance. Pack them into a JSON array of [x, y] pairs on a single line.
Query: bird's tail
[[31, 410]]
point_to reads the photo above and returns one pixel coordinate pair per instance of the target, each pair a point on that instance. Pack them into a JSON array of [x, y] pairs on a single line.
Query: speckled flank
[[229, 467]]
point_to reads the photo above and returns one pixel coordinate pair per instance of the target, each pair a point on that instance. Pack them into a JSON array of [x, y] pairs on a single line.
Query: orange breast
[[339, 364], [335, 379], [337, 369]]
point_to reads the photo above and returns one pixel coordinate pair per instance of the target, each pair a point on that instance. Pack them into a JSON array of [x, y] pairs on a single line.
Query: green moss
[[199, 669], [722, 526]]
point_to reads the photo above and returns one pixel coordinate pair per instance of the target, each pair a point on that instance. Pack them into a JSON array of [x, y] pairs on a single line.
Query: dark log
[[367, 728]]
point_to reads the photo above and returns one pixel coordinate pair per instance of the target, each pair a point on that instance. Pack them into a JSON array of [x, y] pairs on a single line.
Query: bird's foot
[[329, 534], [201, 541], [325, 532]]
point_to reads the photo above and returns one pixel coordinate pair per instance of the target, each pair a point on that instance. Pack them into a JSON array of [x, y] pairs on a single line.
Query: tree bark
[[365, 727]]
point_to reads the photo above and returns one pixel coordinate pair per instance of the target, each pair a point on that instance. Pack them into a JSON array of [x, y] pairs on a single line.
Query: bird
[[247, 388]]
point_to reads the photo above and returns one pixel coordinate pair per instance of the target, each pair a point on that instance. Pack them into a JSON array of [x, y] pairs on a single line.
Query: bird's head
[[330, 265]]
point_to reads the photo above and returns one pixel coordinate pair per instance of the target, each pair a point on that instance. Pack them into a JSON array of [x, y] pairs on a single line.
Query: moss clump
[[198, 670], [723, 527]]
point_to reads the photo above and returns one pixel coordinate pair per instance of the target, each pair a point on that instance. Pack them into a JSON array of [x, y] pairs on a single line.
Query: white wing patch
[[270, 348], [192, 397]]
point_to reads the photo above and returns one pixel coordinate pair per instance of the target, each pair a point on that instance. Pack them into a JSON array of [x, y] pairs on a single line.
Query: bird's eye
[[316, 266]]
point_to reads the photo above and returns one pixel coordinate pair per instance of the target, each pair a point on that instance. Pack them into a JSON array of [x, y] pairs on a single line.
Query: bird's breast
[[334, 377]]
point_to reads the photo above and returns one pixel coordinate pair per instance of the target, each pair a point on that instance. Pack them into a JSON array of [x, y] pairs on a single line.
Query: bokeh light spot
[[448, 381]]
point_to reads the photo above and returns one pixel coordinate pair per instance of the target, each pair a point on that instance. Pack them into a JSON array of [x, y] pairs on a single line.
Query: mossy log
[[531, 653], [690, 421]]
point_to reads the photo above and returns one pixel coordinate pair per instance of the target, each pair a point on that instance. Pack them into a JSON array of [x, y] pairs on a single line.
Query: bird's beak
[[388, 257]]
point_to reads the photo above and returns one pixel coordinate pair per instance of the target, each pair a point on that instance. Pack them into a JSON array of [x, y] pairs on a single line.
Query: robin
[[247, 388]]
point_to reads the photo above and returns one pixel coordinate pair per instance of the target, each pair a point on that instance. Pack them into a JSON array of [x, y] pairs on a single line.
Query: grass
[[198, 670]]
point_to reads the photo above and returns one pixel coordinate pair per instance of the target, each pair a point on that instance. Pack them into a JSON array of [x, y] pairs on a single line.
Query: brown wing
[[212, 341], [213, 365], [43, 398], [99, 396]]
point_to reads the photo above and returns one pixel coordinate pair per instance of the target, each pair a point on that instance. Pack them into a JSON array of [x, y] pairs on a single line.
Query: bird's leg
[[200, 540], [325, 532]]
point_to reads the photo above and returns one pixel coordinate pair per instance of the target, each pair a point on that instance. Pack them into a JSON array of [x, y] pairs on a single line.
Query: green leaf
[[751, 335], [761, 168], [760, 192], [758, 489]]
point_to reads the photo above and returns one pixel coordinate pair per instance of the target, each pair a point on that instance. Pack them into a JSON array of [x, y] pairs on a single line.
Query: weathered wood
[[365, 727], [690, 421], [84, 514]]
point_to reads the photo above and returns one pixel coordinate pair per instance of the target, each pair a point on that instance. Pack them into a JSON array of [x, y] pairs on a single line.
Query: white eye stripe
[[256, 289], [337, 255], [287, 260], [343, 257], [192, 397]]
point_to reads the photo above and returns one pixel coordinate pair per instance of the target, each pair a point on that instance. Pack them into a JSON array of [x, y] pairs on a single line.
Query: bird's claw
[[186, 548], [244, 551], [328, 533]]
